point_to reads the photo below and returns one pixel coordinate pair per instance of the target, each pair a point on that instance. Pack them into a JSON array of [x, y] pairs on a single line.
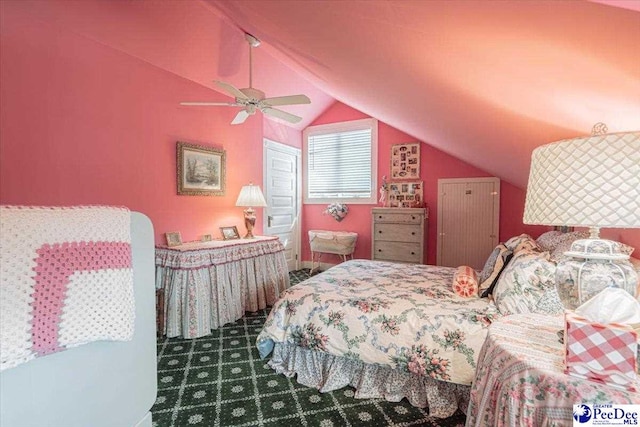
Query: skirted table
[[520, 379], [209, 284]]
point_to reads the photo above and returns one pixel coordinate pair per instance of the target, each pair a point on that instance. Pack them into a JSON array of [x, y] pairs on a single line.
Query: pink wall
[[82, 123], [434, 165]]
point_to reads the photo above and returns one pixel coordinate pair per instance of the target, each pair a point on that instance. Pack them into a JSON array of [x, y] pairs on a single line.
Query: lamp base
[[249, 222], [591, 266]]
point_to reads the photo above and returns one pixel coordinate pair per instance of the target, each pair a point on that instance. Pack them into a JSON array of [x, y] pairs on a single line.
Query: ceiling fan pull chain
[[250, 65]]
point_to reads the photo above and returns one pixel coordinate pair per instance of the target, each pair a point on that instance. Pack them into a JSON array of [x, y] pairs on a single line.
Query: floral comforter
[[398, 315]]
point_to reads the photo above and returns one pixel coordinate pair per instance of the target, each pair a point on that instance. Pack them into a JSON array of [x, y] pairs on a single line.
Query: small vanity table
[[209, 284]]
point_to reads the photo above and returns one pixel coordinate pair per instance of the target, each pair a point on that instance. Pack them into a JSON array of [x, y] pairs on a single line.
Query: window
[[340, 162]]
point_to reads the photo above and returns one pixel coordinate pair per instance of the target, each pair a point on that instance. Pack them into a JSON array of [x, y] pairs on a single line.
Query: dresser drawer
[[397, 232], [398, 218], [397, 251]]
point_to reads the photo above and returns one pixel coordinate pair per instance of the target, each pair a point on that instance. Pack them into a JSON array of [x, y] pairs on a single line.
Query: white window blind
[[340, 162]]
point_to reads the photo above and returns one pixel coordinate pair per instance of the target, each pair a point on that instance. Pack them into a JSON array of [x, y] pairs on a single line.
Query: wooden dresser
[[397, 234]]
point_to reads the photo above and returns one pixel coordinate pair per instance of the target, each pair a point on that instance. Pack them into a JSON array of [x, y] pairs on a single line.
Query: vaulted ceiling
[[486, 81]]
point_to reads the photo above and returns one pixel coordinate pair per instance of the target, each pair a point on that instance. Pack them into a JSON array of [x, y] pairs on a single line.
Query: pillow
[[521, 243], [489, 290], [524, 282], [490, 263], [548, 241], [465, 282], [492, 267], [564, 244]]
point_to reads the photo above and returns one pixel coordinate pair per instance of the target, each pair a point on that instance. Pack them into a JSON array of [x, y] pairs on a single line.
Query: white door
[[282, 191], [468, 220]]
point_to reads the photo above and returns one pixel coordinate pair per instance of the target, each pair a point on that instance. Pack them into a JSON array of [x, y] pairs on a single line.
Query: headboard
[[101, 384]]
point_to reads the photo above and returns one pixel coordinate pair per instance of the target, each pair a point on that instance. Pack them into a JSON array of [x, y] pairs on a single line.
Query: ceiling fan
[[252, 99]]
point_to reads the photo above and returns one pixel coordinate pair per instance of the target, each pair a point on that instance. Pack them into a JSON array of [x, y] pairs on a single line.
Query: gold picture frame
[[173, 239], [405, 161], [406, 194], [200, 170], [230, 233], [206, 238]]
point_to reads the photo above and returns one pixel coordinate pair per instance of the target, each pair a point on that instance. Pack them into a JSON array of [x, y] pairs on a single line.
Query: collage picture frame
[[405, 161], [406, 194]]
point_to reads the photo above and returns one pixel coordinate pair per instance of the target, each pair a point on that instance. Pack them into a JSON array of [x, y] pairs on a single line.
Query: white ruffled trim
[[326, 372]]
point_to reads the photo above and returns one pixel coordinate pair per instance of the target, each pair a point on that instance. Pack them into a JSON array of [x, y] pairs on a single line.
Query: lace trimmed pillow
[[528, 278], [465, 282]]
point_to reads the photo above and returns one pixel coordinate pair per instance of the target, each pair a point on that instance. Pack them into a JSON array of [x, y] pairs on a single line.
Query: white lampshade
[[588, 182], [251, 196], [592, 181]]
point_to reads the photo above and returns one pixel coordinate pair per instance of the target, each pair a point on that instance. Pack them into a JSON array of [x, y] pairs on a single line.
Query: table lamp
[[590, 182], [250, 196]]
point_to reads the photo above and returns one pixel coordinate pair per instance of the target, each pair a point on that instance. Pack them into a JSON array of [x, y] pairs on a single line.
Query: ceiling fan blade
[[231, 90], [240, 117], [206, 104], [281, 115], [287, 100]]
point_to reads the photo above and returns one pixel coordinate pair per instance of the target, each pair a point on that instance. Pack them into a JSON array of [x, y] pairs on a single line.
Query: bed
[[389, 330], [397, 331]]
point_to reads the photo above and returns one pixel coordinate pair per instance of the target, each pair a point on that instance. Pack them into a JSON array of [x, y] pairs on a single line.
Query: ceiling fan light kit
[[252, 99]]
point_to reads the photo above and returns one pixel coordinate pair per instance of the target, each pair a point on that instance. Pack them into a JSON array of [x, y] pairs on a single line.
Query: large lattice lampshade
[[590, 182]]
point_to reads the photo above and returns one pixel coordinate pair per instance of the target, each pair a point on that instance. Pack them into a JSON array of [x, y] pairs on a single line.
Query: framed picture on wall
[[200, 170], [405, 161], [406, 194]]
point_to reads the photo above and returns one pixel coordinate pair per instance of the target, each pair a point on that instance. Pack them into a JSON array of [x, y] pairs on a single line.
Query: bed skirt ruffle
[[326, 372]]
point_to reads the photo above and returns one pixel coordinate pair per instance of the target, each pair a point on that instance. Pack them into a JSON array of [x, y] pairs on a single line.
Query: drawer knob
[[413, 253], [380, 231], [413, 233], [379, 216], [379, 250], [413, 217]]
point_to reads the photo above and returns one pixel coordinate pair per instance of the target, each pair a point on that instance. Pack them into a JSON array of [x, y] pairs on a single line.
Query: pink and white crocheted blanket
[[65, 279]]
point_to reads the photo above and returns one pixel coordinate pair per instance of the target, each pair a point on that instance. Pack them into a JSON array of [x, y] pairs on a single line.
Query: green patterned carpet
[[219, 380]]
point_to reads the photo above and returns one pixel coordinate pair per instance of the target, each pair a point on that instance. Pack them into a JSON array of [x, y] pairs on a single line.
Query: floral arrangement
[[337, 210]]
